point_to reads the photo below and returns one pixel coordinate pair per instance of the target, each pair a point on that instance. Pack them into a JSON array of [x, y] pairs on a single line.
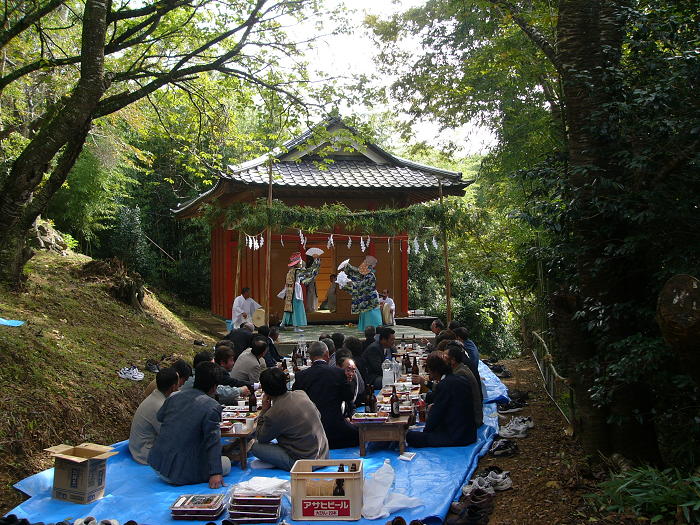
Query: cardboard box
[[80, 472]]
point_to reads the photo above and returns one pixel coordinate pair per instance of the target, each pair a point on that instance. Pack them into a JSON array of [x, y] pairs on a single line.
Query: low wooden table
[[393, 429], [244, 439]]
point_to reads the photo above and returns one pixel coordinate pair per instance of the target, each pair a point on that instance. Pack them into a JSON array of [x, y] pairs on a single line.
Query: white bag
[[377, 501]]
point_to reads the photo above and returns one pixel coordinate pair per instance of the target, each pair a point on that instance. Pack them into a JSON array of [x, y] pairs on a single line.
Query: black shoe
[[199, 342], [512, 407], [152, 366], [504, 447]]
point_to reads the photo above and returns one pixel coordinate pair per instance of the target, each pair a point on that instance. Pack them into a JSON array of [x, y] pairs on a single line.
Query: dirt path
[[547, 485]]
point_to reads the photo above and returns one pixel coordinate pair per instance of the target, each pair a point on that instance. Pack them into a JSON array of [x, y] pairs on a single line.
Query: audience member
[[455, 358], [225, 389], [188, 447], [338, 340], [272, 356], [451, 420], [436, 327], [370, 332], [241, 337], [145, 425], [452, 325], [462, 335], [358, 384], [347, 364], [373, 357], [251, 362], [328, 388], [329, 344], [292, 419], [184, 371], [230, 388], [353, 344]]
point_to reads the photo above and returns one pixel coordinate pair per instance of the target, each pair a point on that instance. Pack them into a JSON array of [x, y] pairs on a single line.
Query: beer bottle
[[252, 402], [284, 365], [415, 370], [372, 402], [339, 489], [353, 468], [394, 411]]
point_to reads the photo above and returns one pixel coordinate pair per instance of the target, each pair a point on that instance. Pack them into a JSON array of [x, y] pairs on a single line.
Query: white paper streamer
[[368, 241], [332, 241], [342, 279], [388, 245], [262, 240], [248, 241], [435, 244], [362, 244], [256, 246], [425, 245], [416, 246], [281, 241], [349, 241]]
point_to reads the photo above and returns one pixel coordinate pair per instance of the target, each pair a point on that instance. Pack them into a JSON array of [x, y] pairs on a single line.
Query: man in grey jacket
[[145, 426], [251, 362], [188, 447], [292, 419]]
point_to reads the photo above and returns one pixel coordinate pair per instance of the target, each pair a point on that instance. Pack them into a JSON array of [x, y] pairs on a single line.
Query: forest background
[[585, 206]]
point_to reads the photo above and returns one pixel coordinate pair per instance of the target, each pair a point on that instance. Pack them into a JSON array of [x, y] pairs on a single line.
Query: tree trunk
[[65, 131]]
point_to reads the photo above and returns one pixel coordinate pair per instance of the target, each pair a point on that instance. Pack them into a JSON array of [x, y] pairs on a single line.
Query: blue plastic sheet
[[10, 322], [136, 492]]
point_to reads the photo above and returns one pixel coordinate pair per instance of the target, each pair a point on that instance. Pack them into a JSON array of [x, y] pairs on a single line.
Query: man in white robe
[[388, 308], [243, 308]]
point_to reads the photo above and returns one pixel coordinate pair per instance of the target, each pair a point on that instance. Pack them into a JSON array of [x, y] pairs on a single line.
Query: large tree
[[67, 63], [607, 89]]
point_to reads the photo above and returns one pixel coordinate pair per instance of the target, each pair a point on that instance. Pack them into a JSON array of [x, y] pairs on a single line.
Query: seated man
[[184, 371], [340, 359], [241, 337], [272, 356], [328, 388], [145, 425], [223, 390], [290, 418], [230, 389], [462, 335], [455, 358], [373, 357], [251, 362], [188, 447], [450, 421], [347, 365]]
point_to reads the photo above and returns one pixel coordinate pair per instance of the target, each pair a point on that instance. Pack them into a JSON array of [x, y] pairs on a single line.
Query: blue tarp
[[135, 492], [10, 322]]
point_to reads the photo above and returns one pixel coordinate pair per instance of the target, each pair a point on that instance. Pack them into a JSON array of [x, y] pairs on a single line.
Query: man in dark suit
[[272, 356], [373, 357], [328, 387], [451, 421], [241, 338]]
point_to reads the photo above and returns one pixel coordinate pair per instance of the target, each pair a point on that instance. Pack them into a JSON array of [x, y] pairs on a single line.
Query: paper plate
[[314, 251]]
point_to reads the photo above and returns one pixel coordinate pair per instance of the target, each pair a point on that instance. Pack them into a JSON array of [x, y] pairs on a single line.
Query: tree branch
[[27, 21], [535, 36]]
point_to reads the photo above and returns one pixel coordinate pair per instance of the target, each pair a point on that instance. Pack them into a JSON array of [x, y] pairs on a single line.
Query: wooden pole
[[448, 284], [268, 243], [239, 250]]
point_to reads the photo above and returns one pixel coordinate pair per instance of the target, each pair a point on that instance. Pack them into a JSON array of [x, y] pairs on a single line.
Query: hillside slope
[[58, 372]]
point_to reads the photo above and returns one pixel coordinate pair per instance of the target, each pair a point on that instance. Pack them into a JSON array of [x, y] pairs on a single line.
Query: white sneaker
[[524, 421], [513, 430], [500, 481], [478, 483], [130, 372]]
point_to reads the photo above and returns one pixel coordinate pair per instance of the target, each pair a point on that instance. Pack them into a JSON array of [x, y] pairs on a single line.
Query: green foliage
[[71, 242], [128, 241], [651, 493]]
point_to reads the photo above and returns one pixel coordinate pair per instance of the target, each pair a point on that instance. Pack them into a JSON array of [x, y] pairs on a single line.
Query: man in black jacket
[[272, 356], [373, 357], [328, 387], [241, 338], [451, 421]]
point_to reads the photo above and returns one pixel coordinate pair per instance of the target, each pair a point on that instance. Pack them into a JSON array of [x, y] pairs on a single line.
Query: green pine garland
[[255, 217]]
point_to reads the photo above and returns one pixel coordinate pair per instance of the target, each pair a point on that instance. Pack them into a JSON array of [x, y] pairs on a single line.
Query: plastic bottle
[[387, 372]]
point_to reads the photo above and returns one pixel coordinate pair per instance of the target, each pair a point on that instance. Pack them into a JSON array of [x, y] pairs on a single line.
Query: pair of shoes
[[519, 395], [489, 484], [504, 447], [516, 428], [511, 407], [152, 366], [525, 421], [130, 372], [471, 515], [490, 362], [488, 470], [478, 497]]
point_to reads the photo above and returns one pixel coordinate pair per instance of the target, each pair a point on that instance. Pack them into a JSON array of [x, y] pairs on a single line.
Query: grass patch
[[58, 372]]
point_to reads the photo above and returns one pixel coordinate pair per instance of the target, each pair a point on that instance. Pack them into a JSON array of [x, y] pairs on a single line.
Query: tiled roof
[[343, 173]]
